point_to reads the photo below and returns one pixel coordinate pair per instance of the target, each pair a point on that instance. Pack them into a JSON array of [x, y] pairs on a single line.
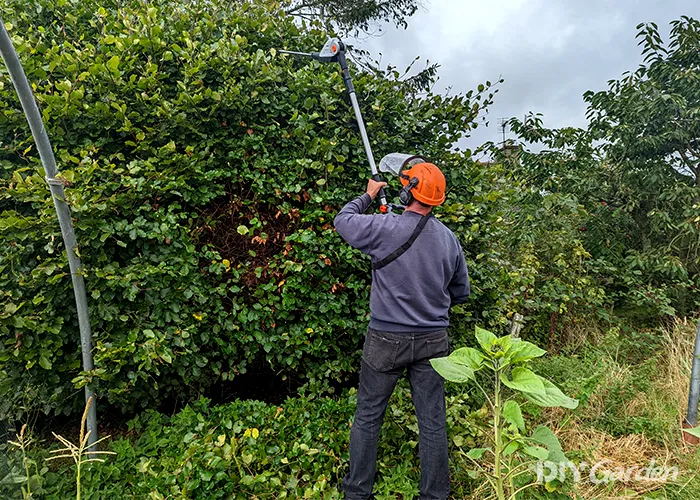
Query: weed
[[28, 480], [80, 452]]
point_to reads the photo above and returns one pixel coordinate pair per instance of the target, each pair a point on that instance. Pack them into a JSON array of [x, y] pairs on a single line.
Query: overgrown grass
[[633, 389]]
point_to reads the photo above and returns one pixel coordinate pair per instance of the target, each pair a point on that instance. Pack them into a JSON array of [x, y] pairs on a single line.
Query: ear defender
[[405, 195]]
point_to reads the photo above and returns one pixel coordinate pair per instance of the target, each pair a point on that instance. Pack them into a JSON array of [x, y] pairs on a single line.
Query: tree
[[652, 116], [353, 15]]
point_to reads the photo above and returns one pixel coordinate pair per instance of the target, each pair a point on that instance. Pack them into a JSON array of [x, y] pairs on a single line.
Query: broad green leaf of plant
[[544, 436], [522, 350], [113, 63], [524, 380], [467, 356], [485, 339], [537, 452], [552, 396], [512, 413], [449, 370]]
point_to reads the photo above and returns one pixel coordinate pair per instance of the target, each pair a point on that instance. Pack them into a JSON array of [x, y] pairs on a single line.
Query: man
[[418, 273]]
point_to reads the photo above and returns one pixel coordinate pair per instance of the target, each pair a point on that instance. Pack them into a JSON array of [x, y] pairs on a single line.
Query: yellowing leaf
[[252, 432], [64, 86], [113, 63], [198, 317]]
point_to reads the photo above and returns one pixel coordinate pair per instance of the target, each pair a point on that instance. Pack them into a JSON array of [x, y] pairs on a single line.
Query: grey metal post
[[691, 418], [31, 110]]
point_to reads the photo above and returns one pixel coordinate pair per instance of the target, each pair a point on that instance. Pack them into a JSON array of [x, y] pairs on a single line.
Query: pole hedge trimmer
[[334, 51]]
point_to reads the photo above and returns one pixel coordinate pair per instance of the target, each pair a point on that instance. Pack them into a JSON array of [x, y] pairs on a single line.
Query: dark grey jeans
[[384, 358]]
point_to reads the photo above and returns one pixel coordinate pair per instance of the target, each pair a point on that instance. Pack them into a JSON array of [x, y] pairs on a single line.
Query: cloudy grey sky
[[548, 51]]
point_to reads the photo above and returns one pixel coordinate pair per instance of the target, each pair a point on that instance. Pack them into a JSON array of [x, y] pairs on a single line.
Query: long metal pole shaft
[[31, 110], [360, 123], [363, 132], [694, 392]]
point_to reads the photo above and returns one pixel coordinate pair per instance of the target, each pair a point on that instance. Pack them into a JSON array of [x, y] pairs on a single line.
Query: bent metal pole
[[43, 145]]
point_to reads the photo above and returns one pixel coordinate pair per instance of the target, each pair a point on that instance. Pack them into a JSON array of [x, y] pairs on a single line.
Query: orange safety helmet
[[431, 186]]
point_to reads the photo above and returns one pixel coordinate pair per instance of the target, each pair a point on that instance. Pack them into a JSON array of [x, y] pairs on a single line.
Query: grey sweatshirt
[[414, 292]]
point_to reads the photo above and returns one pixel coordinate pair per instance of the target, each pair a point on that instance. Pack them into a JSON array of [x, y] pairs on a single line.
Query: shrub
[[203, 170]]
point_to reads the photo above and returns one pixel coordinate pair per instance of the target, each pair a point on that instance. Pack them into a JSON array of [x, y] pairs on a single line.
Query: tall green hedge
[[203, 170]]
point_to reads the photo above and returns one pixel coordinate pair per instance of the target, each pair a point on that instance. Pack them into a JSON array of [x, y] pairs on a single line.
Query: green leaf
[[13, 478], [695, 431], [113, 63], [537, 452], [243, 230], [449, 370], [544, 436], [467, 356], [524, 380], [512, 413], [477, 453], [522, 350], [511, 448], [485, 338], [64, 86], [551, 396], [44, 362]]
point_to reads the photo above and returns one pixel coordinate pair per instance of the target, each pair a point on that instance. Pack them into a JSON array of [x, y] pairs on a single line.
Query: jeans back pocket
[[380, 352], [436, 348]]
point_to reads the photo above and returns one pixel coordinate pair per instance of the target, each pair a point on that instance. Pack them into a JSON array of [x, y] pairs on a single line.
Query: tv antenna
[[503, 122]]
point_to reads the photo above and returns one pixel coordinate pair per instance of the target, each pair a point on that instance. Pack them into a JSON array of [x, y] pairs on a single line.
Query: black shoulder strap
[[400, 251]]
